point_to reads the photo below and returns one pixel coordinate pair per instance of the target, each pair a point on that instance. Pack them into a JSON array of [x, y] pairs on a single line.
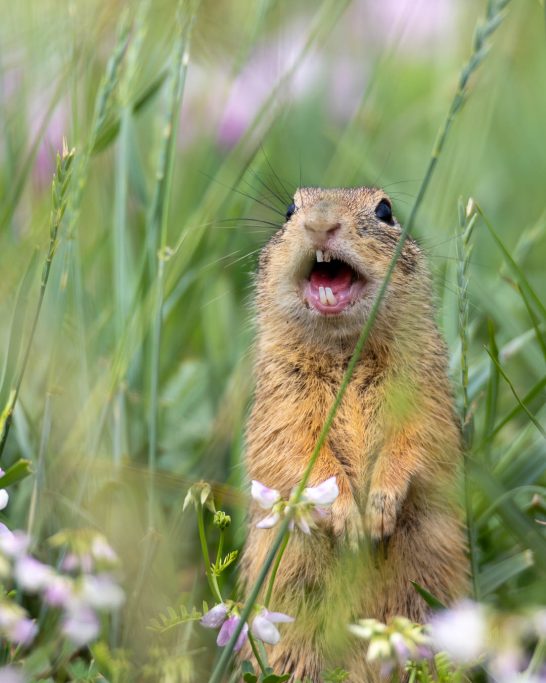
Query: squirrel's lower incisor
[[394, 446]]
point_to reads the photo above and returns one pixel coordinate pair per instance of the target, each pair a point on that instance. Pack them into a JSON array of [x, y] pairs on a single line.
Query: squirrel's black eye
[[384, 211], [290, 211]]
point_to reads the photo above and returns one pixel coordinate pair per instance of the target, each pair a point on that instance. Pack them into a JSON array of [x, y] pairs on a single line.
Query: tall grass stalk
[[59, 191], [494, 15], [158, 230], [467, 221]]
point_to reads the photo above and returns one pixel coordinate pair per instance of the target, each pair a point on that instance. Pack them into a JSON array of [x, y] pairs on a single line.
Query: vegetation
[[126, 344]]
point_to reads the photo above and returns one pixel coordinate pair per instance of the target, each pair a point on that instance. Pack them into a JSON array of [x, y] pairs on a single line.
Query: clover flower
[[221, 616], [263, 626], [15, 625], [313, 504], [226, 618]]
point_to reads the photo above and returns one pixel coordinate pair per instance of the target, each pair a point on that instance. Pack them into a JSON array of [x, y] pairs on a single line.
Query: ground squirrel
[[394, 445]]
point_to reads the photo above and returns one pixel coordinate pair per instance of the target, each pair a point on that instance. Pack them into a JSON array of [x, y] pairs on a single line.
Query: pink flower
[[228, 629], [263, 626], [59, 592]]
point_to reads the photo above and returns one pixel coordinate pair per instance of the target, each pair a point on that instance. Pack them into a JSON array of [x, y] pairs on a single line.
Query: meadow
[[127, 256]]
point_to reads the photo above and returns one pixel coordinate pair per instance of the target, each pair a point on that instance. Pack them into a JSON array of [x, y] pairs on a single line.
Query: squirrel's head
[[323, 268]]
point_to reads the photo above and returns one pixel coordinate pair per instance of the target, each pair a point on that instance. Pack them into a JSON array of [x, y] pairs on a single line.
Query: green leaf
[[516, 396], [497, 573], [250, 677], [516, 270], [15, 339], [218, 567], [274, 678], [18, 471], [513, 518], [430, 599]]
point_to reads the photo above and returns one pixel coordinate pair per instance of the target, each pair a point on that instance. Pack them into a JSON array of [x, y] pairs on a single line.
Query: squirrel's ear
[[383, 211]]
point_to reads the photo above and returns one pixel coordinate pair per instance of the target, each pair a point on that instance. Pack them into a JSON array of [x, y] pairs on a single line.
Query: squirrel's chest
[[289, 413]]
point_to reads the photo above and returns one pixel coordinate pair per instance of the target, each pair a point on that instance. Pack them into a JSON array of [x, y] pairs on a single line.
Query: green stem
[[255, 651], [275, 569], [220, 547], [213, 583], [539, 656], [472, 64]]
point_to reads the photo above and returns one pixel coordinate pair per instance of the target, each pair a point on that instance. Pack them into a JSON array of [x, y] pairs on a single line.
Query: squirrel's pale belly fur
[[394, 446]]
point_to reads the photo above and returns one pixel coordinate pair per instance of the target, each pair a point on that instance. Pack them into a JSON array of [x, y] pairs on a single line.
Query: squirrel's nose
[[321, 231]]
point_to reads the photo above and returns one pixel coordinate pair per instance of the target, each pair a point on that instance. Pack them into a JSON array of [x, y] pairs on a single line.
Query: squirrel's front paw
[[381, 513], [347, 521]]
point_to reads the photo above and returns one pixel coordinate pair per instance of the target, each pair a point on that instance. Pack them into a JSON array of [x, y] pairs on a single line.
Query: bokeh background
[[277, 94]]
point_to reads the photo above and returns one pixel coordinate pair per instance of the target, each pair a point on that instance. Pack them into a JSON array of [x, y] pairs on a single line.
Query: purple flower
[[59, 592], [215, 617], [264, 496], [263, 626], [228, 629], [15, 624], [400, 647], [218, 617], [80, 624]]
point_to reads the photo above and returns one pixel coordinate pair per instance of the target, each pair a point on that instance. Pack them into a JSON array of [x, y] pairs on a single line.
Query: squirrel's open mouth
[[332, 284]]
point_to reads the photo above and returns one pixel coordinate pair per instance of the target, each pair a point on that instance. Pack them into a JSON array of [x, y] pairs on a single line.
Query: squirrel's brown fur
[[394, 445]]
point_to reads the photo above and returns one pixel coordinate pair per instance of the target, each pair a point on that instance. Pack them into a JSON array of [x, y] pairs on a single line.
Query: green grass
[[139, 374]]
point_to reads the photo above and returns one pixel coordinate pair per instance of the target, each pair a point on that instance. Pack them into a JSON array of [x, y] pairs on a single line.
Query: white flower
[[32, 575], [101, 592], [80, 624], [263, 626], [4, 498], [9, 674], [269, 521], [103, 551], [460, 631], [323, 494], [264, 496]]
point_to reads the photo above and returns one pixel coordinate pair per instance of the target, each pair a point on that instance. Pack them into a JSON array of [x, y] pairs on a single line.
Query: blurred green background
[[277, 94]]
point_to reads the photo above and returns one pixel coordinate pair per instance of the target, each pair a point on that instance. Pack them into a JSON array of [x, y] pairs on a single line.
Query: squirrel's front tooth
[[320, 256], [330, 296], [322, 295], [327, 256]]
